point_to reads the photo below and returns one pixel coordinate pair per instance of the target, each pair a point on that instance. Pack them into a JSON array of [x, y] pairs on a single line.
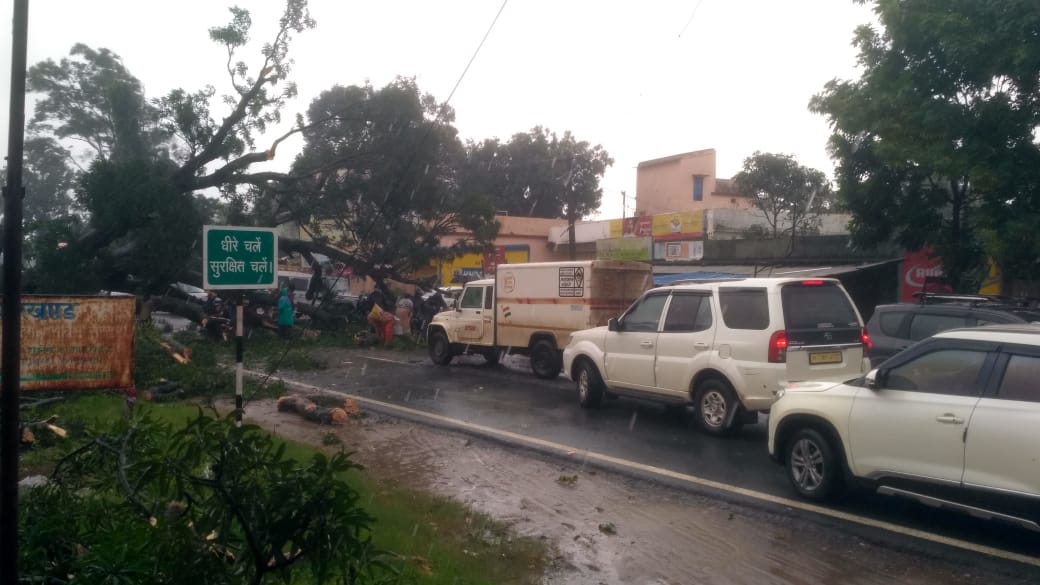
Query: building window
[[698, 188]]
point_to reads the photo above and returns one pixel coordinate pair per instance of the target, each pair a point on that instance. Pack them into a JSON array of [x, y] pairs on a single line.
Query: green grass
[[438, 539]]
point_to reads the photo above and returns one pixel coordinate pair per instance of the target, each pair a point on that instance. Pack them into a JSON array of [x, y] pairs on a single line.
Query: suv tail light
[[778, 347], [867, 343], [812, 283]]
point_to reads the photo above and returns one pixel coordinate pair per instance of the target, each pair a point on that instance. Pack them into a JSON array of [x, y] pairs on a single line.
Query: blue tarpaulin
[[663, 279]]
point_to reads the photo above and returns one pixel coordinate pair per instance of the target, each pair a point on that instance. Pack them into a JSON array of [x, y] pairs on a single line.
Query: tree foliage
[[537, 174], [209, 504], [142, 160], [936, 141], [791, 196], [376, 178]]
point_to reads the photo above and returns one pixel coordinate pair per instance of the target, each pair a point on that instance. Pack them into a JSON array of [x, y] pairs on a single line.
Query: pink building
[[684, 182]]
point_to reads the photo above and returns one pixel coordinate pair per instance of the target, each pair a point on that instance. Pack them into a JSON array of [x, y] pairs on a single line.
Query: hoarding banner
[[638, 249], [678, 226], [639, 227], [73, 343]]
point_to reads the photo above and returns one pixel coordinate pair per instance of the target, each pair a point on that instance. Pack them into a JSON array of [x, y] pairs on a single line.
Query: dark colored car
[[893, 328]]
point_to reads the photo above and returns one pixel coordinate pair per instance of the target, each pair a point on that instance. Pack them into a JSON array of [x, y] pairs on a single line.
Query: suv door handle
[[646, 344], [950, 419], [700, 345]]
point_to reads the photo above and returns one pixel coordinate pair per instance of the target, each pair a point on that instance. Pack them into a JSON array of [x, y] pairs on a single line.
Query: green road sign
[[239, 257]]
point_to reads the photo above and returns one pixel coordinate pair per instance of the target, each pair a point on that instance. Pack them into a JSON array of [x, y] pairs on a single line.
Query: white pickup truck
[[531, 309]]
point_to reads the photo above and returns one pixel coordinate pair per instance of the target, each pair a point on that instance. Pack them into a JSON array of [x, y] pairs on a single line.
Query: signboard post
[[239, 258]]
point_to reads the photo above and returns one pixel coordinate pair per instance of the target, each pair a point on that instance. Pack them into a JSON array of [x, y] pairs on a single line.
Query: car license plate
[[824, 357]]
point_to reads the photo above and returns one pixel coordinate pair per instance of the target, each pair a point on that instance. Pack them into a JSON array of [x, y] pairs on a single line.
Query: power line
[[687, 25], [477, 51]]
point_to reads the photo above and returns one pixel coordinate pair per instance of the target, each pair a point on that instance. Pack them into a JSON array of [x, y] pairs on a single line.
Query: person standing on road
[[285, 315]]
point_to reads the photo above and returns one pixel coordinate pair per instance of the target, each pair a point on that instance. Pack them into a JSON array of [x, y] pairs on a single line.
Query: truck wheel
[[545, 360], [716, 403], [440, 348], [813, 466], [590, 385]]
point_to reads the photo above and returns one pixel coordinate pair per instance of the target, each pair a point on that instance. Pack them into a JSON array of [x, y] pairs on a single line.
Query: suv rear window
[[744, 308], [890, 322], [817, 307]]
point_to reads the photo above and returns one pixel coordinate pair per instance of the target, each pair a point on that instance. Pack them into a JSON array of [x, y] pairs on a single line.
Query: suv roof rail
[[941, 297], [986, 301], [707, 280]]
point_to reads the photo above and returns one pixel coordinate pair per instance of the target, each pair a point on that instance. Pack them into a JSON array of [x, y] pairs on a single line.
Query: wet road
[[511, 399]]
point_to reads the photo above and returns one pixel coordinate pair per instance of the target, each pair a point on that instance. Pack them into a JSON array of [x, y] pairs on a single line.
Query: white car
[[723, 346], [953, 421]]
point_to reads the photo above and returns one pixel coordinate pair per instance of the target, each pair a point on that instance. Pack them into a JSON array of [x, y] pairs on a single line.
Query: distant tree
[[91, 99], [935, 143], [376, 179], [538, 174], [791, 196], [49, 181]]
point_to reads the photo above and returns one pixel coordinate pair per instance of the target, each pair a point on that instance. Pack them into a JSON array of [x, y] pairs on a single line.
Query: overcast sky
[[642, 78]]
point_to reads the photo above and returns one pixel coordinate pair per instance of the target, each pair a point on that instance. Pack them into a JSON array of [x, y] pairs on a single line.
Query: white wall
[[730, 224]]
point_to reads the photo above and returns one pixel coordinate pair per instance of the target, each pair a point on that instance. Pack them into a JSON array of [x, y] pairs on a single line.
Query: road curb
[[878, 532]]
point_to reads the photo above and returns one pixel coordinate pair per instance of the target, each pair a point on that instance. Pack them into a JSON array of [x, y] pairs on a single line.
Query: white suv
[[953, 421], [722, 346]]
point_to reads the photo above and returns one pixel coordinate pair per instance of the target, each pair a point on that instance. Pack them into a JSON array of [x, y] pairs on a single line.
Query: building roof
[[727, 187], [667, 274], [514, 225], [675, 157]]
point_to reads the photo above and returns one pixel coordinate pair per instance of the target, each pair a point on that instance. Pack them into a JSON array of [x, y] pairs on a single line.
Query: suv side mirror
[[874, 378], [612, 325]]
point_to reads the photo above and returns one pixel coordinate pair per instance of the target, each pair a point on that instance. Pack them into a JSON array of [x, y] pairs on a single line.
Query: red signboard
[[493, 258], [916, 267]]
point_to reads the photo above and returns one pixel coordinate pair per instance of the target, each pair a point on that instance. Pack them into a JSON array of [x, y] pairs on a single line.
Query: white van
[[723, 347]]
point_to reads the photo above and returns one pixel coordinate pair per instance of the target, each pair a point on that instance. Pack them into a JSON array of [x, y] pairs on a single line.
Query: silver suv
[[954, 421], [723, 346]]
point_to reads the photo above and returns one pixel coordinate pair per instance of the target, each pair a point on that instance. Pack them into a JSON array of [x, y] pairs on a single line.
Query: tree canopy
[[791, 196], [381, 180], [537, 173], [936, 143], [376, 178]]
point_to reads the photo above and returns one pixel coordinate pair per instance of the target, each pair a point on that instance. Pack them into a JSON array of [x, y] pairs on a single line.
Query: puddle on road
[[612, 530]]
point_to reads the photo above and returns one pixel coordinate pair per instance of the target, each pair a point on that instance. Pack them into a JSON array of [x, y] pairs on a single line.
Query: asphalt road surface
[[509, 398]]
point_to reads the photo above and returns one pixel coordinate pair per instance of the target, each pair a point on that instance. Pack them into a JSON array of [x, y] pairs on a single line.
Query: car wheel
[[590, 385], [492, 357], [545, 360], [716, 403], [440, 348], [813, 465]]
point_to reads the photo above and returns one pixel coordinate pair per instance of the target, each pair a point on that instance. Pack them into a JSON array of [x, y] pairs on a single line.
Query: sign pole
[[10, 369], [239, 313], [239, 259]]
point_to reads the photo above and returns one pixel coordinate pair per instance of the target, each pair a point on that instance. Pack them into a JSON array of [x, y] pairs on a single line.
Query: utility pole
[[624, 204], [10, 355]]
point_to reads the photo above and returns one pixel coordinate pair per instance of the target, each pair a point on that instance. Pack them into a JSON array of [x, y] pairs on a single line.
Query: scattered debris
[[32, 481], [311, 411], [567, 480], [608, 528], [30, 429], [164, 391], [179, 352]]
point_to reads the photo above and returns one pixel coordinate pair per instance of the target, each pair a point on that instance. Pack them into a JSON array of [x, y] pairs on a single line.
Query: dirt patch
[[608, 529]]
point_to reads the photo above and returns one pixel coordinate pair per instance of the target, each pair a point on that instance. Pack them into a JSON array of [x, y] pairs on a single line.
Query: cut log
[[311, 411]]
